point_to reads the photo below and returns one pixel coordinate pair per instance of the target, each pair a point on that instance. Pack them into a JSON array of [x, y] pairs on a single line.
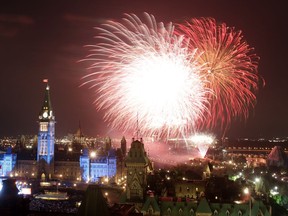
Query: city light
[[246, 191], [93, 154]]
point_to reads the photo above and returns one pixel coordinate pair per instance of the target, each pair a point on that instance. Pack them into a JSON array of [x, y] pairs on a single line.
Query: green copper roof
[[93, 203], [153, 202], [219, 209], [173, 208], [203, 206]]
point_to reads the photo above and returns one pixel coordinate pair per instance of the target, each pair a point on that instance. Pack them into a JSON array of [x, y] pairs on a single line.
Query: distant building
[[93, 167], [45, 163], [190, 189], [277, 157], [255, 147], [7, 162]]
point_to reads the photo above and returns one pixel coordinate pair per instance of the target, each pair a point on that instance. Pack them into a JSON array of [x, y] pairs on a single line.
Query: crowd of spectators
[[59, 206]]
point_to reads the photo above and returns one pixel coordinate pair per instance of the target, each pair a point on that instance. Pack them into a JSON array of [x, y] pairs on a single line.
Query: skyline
[[44, 40]]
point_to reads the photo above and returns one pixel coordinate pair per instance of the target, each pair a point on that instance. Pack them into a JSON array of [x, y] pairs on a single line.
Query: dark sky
[[45, 39]]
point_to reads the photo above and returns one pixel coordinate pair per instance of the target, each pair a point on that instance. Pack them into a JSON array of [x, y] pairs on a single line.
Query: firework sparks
[[146, 77], [231, 69], [203, 142]]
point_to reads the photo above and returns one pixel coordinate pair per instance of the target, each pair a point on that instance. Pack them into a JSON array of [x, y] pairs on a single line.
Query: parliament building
[[47, 163]]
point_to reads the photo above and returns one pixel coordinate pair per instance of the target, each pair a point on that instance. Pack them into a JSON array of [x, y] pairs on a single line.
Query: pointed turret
[[79, 133], [108, 144], [123, 146], [46, 112], [93, 203]]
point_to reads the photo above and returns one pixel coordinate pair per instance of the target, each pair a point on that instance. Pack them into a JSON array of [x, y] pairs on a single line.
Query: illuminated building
[[277, 157], [47, 163], [7, 162], [93, 167]]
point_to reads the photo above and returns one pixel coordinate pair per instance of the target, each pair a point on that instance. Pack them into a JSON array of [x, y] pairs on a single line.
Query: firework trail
[[231, 69], [146, 77]]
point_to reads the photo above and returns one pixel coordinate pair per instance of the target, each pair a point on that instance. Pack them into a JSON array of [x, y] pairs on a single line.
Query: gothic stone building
[[46, 163]]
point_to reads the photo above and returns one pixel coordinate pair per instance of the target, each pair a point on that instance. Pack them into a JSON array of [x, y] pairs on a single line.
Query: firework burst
[[231, 69], [146, 77]]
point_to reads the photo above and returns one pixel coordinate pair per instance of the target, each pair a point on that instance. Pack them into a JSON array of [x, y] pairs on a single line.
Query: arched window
[[168, 211], [215, 213], [180, 212], [150, 210], [191, 212], [239, 213], [227, 213]]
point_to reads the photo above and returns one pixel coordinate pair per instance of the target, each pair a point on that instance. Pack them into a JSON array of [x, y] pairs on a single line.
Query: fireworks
[[203, 142], [146, 77], [168, 82], [231, 69]]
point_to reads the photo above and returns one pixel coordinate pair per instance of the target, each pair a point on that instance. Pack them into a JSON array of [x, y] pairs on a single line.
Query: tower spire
[[46, 110], [137, 127]]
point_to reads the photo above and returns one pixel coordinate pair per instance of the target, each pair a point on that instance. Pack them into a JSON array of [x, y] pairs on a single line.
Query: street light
[[93, 154], [246, 191], [248, 197]]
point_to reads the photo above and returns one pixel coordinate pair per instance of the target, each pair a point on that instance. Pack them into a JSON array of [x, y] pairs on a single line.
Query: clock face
[[45, 114]]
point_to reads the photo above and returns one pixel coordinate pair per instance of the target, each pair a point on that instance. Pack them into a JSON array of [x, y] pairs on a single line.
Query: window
[[191, 212], [168, 211], [150, 211], [44, 126], [43, 147]]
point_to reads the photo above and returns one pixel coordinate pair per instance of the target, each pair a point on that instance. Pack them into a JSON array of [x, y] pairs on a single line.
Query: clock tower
[[46, 138]]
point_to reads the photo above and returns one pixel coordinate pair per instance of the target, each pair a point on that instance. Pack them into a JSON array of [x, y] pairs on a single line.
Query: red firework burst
[[232, 69]]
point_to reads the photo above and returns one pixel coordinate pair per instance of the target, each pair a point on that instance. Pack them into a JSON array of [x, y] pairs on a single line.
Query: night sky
[[46, 39]]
